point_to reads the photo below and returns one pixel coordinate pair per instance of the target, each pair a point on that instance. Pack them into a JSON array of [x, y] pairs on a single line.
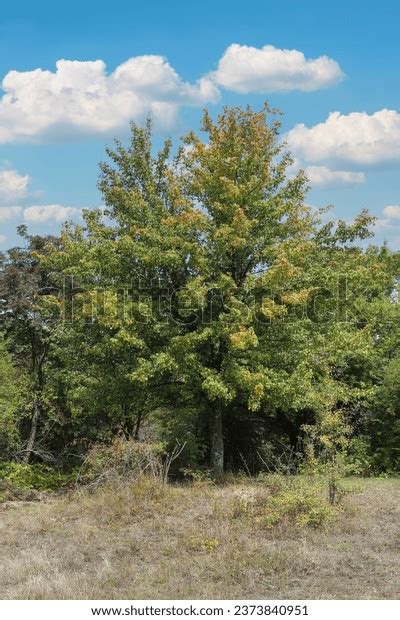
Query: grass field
[[146, 541]]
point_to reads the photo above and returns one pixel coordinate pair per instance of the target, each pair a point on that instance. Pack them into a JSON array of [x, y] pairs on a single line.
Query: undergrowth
[[35, 476]]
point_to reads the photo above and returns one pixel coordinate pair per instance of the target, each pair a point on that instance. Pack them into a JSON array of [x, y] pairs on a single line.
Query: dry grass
[[145, 541]]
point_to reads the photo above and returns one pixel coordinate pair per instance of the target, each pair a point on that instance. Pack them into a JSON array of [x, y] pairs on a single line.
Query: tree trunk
[[37, 366], [32, 434], [217, 444], [137, 426]]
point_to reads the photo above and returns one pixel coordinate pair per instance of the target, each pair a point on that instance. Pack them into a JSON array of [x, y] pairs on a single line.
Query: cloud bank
[[392, 212], [358, 139], [38, 214], [81, 97], [387, 227]]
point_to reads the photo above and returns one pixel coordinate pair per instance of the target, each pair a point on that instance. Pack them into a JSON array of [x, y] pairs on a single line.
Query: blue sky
[[322, 58]]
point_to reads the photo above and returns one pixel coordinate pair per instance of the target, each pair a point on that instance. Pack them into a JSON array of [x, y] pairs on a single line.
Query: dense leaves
[[206, 303]]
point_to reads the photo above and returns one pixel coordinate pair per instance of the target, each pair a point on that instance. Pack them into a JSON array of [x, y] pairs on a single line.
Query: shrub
[[127, 459], [123, 458], [298, 505], [359, 461], [37, 476]]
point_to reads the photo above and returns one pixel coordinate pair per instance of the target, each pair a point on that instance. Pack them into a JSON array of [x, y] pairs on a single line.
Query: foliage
[[300, 504], [207, 545], [121, 459], [326, 449], [359, 458], [124, 459], [9, 395], [383, 420], [207, 305], [26, 319], [38, 476]]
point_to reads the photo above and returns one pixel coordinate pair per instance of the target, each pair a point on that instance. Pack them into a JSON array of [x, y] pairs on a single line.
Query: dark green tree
[[26, 321]]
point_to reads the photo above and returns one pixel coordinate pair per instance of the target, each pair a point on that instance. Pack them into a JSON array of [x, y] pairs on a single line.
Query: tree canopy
[[208, 301]]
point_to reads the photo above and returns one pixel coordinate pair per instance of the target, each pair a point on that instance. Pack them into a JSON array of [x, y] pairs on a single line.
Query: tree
[[385, 419], [25, 322], [9, 391], [214, 284]]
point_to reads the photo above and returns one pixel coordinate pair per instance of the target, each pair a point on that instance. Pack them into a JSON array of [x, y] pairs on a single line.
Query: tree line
[[206, 304]]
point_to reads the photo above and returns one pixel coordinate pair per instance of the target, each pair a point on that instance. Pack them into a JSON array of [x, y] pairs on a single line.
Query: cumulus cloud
[[387, 227], [392, 212], [321, 176], [8, 213], [81, 97], [40, 213], [356, 138], [13, 186], [48, 213], [246, 69], [2, 239]]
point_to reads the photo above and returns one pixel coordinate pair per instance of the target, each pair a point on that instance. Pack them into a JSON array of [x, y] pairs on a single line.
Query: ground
[[146, 541]]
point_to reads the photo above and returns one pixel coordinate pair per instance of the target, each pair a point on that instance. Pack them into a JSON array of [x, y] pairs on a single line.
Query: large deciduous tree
[[208, 280]]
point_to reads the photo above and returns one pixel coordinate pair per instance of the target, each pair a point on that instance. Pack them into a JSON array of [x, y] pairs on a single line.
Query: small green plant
[[206, 545], [36, 476], [299, 505], [240, 507], [326, 450]]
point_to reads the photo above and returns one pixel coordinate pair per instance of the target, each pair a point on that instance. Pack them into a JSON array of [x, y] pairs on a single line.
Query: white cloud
[[387, 227], [45, 213], [245, 69], [81, 97], [392, 212], [321, 176], [8, 213], [2, 239], [40, 213], [13, 186], [357, 138]]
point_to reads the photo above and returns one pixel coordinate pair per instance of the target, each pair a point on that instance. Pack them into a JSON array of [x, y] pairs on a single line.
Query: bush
[[126, 459], [299, 505], [39, 477], [359, 461]]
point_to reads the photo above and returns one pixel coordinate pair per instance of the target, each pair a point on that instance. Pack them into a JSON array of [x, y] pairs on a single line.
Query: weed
[[206, 545]]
